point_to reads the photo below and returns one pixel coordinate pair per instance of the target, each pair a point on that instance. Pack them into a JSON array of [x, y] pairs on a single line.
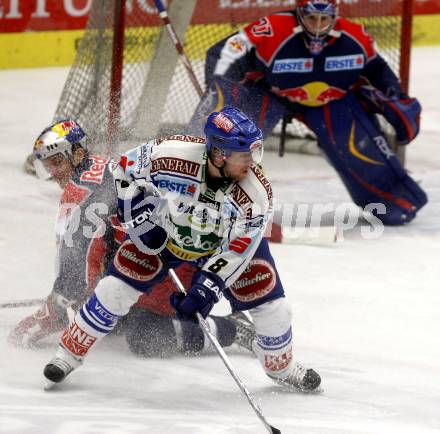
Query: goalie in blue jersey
[[324, 70]]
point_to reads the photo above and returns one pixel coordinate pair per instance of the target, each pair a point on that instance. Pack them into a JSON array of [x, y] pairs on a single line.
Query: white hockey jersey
[[226, 225]]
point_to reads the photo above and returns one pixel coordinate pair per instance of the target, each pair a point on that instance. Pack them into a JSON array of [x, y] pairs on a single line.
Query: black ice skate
[[301, 378], [59, 368], [245, 330]]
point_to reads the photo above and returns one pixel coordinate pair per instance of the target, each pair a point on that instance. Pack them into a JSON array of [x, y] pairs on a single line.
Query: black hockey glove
[[205, 291]]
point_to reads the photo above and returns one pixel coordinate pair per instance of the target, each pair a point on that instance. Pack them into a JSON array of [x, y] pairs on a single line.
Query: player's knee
[[150, 335], [116, 295], [273, 317]]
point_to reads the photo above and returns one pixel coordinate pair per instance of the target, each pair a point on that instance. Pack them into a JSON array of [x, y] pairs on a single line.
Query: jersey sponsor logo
[[204, 219], [264, 181], [253, 223], [276, 363], [188, 243], [344, 63], [209, 202], [223, 122], [77, 341], [95, 173], [257, 280], [143, 157], [240, 197], [262, 28], [177, 165], [240, 245], [182, 138], [184, 188], [300, 65], [136, 265]]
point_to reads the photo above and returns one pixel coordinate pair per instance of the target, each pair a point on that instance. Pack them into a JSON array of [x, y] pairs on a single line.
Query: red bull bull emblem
[[314, 94]]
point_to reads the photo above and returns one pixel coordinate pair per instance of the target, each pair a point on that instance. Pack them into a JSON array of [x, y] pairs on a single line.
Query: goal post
[[127, 82]]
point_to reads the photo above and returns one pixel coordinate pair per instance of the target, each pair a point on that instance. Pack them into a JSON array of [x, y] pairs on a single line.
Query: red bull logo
[[63, 128], [314, 94]]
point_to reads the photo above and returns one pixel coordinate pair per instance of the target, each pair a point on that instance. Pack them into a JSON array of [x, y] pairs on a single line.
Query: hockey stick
[[22, 303], [179, 47], [205, 327]]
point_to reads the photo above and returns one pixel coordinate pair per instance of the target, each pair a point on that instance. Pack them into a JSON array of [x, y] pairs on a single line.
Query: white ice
[[366, 312]]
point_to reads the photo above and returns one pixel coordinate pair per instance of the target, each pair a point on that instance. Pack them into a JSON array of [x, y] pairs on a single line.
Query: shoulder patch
[[269, 33]]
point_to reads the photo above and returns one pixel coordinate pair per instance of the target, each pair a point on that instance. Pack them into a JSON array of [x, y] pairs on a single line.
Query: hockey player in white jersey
[[206, 203]]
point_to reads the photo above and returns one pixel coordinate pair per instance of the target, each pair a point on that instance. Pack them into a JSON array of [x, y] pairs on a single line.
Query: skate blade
[[48, 385], [291, 388]]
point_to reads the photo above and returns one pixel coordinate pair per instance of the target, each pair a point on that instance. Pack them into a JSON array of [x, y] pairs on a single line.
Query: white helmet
[[60, 138]]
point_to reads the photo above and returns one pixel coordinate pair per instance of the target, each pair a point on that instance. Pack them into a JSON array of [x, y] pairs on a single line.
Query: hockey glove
[[49, 318], [142, 218], [206, 290]]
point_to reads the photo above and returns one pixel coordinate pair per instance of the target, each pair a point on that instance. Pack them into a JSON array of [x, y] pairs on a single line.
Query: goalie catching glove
[[205, 291]]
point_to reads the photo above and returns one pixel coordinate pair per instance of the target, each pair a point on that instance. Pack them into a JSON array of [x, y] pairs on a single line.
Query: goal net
[[127, 82]]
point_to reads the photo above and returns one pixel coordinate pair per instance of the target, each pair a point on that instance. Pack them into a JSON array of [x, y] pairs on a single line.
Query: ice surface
[[366, 312]]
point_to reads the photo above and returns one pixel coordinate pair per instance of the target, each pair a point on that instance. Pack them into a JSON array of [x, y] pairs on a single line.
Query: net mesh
[[86, 93]]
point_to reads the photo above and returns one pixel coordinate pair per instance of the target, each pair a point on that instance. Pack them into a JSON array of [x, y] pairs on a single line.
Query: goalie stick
[[179, 47], [22, 303], [205, 327]]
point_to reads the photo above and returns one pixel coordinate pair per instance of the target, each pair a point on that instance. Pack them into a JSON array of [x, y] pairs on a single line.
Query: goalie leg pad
[[273, 345], [364, 160]]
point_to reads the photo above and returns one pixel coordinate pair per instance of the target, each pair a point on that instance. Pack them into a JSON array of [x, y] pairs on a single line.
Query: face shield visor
[[40, 170], [255, 153], [49, 152]]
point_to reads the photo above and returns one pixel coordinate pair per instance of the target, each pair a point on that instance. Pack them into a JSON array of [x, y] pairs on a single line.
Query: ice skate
[[59, 368], [245, 330], [301, 378]]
